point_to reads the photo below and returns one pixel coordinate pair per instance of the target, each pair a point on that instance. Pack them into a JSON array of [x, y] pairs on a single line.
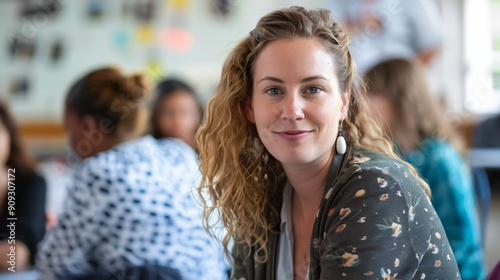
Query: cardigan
[[375, 221]]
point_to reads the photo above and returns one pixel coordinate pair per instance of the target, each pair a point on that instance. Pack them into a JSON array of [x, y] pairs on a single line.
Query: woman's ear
[[248, 109], [345, 104]]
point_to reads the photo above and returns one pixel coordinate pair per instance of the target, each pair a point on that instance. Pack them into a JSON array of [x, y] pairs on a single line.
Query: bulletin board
[[47, 44]]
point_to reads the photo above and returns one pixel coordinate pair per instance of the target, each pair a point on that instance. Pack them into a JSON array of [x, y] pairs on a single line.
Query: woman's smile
[[293, 135]]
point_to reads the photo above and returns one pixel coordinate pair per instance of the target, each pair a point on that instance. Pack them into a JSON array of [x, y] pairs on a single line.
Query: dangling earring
[[341, 145]]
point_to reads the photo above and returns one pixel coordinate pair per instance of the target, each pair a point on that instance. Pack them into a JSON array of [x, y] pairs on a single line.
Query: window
[[482, 56]]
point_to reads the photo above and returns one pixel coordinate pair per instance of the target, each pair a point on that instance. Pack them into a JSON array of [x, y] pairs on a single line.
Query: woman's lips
[[293, 135]]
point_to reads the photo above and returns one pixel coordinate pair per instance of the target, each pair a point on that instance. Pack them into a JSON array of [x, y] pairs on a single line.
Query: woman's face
[[4, 143], [179, 116], [296, 102]]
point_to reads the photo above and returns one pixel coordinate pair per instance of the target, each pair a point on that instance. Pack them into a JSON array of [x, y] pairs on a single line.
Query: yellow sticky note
[[179, 4], [154, 71], [145, 34]]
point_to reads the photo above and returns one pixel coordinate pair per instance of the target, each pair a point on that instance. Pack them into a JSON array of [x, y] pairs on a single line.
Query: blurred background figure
[[400, 99], [130, 202], [383, 29], [487, 136], [19, 180], [177, 111], [487, 133]]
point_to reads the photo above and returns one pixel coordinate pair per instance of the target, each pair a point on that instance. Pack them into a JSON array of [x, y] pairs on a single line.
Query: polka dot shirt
[[132, 205]]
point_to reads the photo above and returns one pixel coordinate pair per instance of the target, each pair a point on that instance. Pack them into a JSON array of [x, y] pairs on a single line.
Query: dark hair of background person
[[112, 98], [405, 86], [18, 157], [167, 88]]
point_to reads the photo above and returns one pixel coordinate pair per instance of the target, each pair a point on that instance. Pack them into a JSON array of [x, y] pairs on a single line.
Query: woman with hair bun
[[130, 202], [300, 175]]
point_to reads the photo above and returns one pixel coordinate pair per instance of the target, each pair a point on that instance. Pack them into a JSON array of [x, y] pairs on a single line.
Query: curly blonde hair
[[238, 174]]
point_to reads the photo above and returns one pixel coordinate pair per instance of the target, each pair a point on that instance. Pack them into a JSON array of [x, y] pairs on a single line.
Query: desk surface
[[488, 158]]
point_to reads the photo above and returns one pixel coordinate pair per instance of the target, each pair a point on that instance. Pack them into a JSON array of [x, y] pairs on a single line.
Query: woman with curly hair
[[300, 175]]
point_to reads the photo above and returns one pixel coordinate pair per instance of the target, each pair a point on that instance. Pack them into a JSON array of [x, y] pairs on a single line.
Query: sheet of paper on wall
[[56, 51], [154, 70], [145, 34], [222, 8], [178, 5], [176, 39], [144, 11], [122, 38], [44, 8], [95, 9], [21, 47], [19, 86]]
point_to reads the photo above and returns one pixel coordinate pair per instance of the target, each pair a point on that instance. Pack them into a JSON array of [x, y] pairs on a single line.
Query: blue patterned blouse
[[132, 205]]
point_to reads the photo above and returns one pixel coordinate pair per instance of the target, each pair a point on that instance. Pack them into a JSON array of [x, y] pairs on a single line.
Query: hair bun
[[135, 87]]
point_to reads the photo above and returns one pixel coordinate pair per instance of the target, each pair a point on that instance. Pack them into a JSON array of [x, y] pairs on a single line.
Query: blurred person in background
[[487, 136], [130, 203], [383, 29], [400, 99], [177, 111], [21, 184]]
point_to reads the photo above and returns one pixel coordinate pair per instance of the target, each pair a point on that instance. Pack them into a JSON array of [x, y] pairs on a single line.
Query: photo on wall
[[142, 11], [56, 51], [222, 8], [39, 8], [19, 87], [21, 47], [96, 10]]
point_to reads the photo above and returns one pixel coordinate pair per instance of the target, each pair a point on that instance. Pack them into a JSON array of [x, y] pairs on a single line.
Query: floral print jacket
[[375, 222]]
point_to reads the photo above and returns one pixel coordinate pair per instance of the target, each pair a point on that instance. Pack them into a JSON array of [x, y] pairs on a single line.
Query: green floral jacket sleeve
[[375, 222], [379, 224]]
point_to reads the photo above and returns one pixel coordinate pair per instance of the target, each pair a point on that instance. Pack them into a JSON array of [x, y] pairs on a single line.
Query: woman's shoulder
[[144, 149], [363, 166], [175, 146], [138, 163], [362, 161]]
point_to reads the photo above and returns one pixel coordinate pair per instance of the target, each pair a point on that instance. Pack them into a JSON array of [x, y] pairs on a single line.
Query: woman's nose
[[292, 108]]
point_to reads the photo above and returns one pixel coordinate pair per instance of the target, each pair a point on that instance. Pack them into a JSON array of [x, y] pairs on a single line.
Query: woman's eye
[[313, 90], [273, 91]]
